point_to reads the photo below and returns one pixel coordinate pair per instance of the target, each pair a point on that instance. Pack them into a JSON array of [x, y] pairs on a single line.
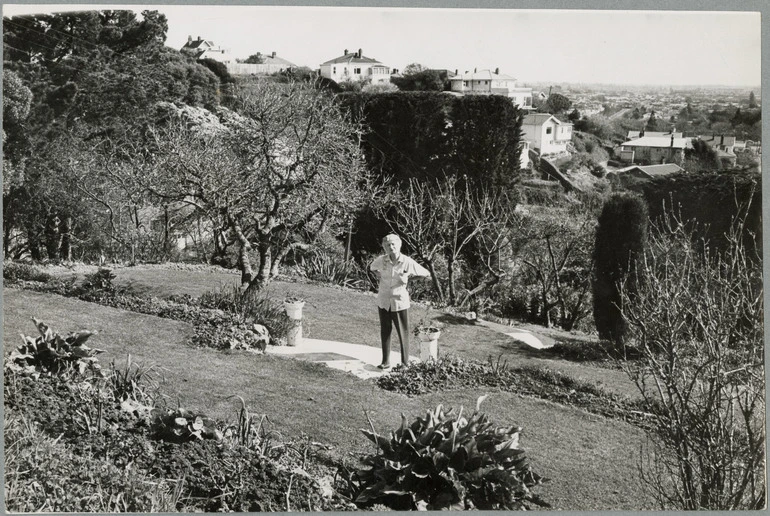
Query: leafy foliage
[[16, 271], [418, 78], [53, 354], [92, 75], [72, 447], [558, 103], [445, 461], [329, 268]]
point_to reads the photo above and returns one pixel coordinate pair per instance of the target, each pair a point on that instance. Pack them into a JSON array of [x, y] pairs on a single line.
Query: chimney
[[273, 56], [456, 71], [200, 38], [259, 55], [497, 71], [360, 53], [346, 51], [189, 39], [672, 141], [641, 133], [474, 70]]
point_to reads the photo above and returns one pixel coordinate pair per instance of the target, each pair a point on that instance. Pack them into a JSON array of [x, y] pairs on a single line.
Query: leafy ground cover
[[589, 459]]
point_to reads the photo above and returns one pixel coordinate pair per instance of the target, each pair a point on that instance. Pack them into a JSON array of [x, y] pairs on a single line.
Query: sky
[[559, 46]]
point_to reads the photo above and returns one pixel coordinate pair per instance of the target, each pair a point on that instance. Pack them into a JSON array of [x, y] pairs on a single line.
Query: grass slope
[[350, 316], [590, 460]]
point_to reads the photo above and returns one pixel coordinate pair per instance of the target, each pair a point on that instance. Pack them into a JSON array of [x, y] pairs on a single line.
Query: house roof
[[198, 43], [659, 141], [635, 134], [540, 119], [269, 59], [482, 75], [724, 154], [655, 170], [719, 139], [352, 57]]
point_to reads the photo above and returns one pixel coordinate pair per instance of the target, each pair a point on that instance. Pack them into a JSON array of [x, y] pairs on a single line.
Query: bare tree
[[696, 319], [447, 219], [555, 250], [278, 171]]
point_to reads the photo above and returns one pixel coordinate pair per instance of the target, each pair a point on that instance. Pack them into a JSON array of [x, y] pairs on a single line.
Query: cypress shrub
[[621, 237]]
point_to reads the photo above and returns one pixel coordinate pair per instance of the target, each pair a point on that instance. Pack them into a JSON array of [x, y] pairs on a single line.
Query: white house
[[205, 49], [655, 149], [546, 133], [355, 66], [486, 82], [270, 63]]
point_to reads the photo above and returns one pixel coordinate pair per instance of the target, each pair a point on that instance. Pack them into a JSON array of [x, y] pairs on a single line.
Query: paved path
[[357, 359], [362, 361]]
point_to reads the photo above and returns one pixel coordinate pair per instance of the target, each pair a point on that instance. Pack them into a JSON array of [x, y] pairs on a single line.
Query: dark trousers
[[401, 321]]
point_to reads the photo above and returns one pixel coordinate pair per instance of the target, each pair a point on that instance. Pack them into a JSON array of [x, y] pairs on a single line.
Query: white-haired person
[[394, 270]]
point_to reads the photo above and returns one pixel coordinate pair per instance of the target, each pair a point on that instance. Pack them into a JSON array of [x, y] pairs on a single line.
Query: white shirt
[[392, 294]]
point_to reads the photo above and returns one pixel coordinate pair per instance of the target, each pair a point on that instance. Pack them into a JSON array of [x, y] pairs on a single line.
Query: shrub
[[328, 268], [697, 322], [52, 354], [445, 461], [97, 286], [250, 307], [620, 241], [714, 200], [14, 271]]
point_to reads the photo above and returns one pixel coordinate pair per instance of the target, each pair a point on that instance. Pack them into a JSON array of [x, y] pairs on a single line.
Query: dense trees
[[557, 103], [416, 77], [92, 75], [274, 173]]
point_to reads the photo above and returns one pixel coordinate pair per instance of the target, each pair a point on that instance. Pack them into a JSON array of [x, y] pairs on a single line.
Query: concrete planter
[[294, 312], [429, 345]]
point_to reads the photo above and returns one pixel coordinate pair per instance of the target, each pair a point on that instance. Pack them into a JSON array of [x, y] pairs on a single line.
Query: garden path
[[361, 360]]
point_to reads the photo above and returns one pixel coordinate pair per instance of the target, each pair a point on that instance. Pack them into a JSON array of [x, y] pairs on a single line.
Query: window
[[357, 70], [334, 70], [465, 84], [548, 130]]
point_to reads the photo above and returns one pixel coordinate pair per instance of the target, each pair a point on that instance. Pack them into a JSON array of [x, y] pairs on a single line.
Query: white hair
[[393, 237]]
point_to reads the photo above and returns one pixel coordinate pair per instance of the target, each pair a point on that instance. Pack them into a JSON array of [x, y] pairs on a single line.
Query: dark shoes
[[383, 366]]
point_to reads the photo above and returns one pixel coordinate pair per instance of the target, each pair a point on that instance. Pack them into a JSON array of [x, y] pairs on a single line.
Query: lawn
[[590, 460], [344, 315]]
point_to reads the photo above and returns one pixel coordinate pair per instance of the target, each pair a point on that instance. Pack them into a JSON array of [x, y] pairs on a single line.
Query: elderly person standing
[[394, 270]]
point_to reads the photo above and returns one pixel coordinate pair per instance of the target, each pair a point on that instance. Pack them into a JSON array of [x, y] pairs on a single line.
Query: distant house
[[633, 135], [651, 171], [486, 82], [637, 173], [546, 133], [725, 147], [271, 63], [354, 66], [205, 49], [720, 142], [655, 149]]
